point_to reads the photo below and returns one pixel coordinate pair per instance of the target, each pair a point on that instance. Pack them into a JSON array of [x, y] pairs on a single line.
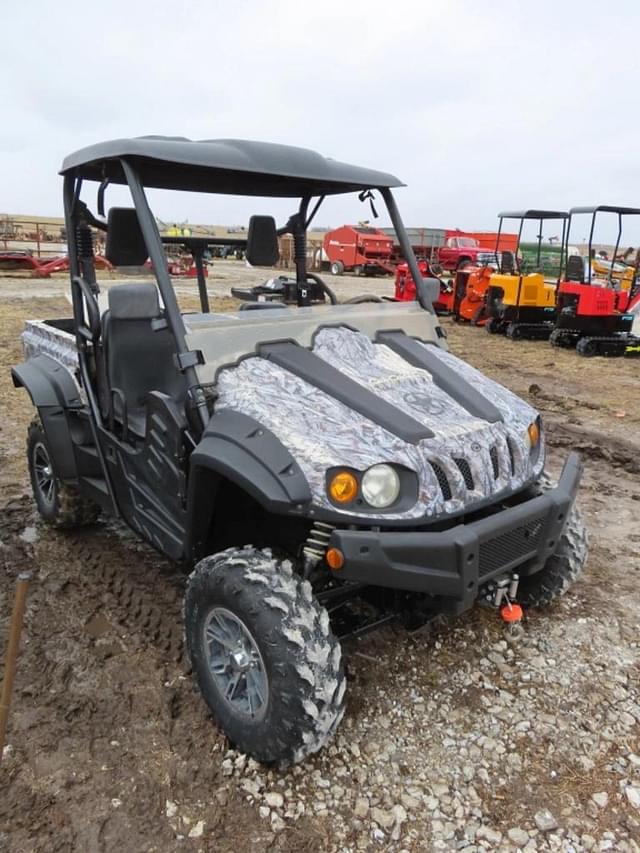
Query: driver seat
[[575, 269], [507, 267], [138, 357]]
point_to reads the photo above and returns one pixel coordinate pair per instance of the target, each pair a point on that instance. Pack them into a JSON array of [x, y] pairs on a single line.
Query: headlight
[[380, 486]]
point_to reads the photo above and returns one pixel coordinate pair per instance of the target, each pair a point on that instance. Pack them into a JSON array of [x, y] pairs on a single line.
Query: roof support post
[[403, 239], [174, 318]]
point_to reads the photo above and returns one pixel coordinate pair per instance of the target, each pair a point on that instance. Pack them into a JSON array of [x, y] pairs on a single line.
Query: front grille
[[493, 453], [443, 482], [465, 470], [504, 549]]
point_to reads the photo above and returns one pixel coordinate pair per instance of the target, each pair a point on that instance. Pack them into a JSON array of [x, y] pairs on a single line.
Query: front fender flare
[[237, 448]]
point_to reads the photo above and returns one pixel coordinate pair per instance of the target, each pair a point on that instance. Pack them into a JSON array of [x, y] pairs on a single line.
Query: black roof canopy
[[534, 214], [605, 208], [231, 166]]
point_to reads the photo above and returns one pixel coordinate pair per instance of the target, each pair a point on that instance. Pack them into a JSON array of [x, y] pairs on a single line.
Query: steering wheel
[[333, 299]]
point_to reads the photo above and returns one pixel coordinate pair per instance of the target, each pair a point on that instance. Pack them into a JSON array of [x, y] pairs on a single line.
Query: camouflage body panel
[[321, 432]]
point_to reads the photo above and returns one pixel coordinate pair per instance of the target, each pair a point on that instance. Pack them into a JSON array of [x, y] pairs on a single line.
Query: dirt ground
[[110, 747]]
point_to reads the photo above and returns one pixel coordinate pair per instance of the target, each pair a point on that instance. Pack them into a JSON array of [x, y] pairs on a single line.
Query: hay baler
[[360, 249]]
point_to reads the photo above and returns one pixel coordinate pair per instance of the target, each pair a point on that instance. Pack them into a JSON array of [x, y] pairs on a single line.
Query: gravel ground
[[461, 737]]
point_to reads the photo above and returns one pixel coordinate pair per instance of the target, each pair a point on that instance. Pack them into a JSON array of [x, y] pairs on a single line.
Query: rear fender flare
[[53, 392]]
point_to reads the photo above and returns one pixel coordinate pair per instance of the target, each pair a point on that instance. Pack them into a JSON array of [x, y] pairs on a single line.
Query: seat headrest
[[134, 301]]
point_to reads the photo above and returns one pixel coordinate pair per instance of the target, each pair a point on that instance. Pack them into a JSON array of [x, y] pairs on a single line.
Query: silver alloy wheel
[[45, 479], [235, 663]]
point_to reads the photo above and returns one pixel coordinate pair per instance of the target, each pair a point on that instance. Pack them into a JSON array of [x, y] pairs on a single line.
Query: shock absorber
[[316, 544], [84, 243], [300, 258]]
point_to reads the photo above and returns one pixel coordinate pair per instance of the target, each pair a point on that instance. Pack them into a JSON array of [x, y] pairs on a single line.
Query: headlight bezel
[[405, 500]]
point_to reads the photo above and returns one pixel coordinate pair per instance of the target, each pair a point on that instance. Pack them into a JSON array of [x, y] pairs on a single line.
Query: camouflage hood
[[463, 458]]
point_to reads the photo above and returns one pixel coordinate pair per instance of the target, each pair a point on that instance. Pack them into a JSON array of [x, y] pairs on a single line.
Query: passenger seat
[[138, 358]]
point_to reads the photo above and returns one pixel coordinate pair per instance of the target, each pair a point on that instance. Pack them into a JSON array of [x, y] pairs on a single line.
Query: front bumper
[[455, 563]]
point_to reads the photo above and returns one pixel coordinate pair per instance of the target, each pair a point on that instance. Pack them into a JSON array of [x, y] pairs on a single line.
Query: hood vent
[[465, 470], [512, 456], [443, 482], [495, 463]]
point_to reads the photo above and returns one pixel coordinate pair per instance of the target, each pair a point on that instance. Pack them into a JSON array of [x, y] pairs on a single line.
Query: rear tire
[[337, 268], [289, 698], [61, 505], [563, 567]]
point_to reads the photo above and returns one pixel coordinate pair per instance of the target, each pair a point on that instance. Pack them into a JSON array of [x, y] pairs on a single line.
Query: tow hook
[[505, 594]]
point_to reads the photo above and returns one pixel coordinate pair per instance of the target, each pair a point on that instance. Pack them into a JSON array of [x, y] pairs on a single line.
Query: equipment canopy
[[230, 166], [534, 214], [605, 208]]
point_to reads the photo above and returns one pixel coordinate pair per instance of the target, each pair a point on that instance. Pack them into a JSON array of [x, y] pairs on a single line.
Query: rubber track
[[609, 346]]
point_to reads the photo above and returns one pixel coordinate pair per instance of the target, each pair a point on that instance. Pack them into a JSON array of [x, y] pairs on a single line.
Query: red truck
[[458, 251], [360, 249], [453, 249]]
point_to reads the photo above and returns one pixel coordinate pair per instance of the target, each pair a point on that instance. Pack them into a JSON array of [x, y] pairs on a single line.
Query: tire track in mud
[[593, 445], [142, 591]]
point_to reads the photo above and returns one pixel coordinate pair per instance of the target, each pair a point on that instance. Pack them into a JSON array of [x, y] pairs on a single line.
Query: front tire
[[563, 567], [263, 655], [337, 268], [60, 504]]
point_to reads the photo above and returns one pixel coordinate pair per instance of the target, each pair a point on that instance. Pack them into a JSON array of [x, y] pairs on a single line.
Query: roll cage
[[539, 216], [593, 212], [228, 167]]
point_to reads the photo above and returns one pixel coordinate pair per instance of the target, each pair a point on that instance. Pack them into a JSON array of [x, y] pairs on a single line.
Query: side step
[[87, 460], [96, 489]]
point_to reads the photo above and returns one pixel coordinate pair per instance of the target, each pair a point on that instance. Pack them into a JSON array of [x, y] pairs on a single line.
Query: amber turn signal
[[343, 487], [334, 558], [534, 434]]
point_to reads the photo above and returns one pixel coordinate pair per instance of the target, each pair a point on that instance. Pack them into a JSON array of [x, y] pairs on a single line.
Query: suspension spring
[[84, 238], [317, 542], [300, 245]]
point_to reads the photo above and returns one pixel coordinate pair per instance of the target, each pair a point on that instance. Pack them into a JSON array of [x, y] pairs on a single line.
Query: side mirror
[[262, 242], [125, 244], [428, 291]]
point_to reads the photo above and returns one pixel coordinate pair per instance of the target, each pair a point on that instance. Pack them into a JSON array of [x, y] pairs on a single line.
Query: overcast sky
[[478, 107]]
